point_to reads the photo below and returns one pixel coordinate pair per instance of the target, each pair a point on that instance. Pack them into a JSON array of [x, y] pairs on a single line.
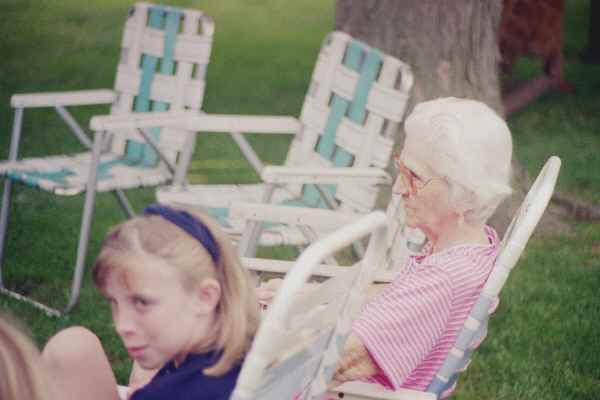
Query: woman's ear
[[208, 294]]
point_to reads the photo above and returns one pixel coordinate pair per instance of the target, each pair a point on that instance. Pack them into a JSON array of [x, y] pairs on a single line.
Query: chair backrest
[[513, 243], [351, 113], [302, 335], [164, 56]]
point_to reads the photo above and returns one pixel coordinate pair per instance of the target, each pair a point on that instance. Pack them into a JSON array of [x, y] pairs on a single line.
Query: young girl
[[181, 303]]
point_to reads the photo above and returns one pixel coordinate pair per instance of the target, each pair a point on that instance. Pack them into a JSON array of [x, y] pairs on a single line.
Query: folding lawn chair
[[475, 328], [164, 55], [351, 112], [397, 248], [302, 335]]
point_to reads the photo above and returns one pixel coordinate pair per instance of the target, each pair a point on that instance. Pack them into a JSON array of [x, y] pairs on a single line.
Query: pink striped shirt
[[410, 327]]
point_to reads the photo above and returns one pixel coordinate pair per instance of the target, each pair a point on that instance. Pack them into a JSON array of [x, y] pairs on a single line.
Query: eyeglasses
[[411, 181]]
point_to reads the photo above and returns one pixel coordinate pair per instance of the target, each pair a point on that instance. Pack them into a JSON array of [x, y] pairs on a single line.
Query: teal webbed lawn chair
[[164, 55], [475, 328], [342, 142]]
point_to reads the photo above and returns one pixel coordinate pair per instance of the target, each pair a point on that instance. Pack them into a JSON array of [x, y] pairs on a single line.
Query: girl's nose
[[123, 322]]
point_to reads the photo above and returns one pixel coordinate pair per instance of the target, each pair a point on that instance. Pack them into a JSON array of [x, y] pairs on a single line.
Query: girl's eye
[[141, 302]]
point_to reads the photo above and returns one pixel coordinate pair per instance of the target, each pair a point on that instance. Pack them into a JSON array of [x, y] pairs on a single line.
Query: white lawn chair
[[402, 241], [302, 335], [475, 328], [351, 112], [164, 55]]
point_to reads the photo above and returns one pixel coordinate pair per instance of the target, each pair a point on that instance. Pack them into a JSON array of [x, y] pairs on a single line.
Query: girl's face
[[426, 196], [155, 316]]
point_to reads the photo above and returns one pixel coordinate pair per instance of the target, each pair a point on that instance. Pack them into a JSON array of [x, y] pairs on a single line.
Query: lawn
[[543, 341]]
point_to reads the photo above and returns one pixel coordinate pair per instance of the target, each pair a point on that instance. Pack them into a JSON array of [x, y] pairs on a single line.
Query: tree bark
[[450, 44]]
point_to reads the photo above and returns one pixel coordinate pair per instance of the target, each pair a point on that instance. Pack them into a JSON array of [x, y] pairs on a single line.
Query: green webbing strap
[[32, 178], [167, 67], [355, 110], [140, 151]]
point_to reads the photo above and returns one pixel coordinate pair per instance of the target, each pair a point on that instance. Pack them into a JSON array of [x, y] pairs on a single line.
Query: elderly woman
[[453, 172]]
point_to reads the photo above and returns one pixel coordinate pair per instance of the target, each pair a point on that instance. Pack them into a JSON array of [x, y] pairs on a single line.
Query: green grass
[[543, 340]]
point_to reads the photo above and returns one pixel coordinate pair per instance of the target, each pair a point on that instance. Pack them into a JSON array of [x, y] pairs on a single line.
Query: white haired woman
[[453, 172]]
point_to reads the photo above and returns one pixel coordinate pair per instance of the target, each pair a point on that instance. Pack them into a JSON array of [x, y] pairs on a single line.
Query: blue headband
[[187, 222]]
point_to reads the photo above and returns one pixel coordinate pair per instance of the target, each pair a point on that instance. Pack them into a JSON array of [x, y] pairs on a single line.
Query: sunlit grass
[[543, 341]]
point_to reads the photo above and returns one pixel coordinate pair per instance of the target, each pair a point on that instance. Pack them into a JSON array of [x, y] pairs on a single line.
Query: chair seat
[[68, 175], [216, 200]]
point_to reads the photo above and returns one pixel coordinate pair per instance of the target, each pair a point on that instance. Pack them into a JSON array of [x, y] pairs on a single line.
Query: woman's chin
[[410, 222]]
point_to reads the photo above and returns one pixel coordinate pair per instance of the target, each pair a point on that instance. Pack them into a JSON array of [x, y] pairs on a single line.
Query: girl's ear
[[208, 294]]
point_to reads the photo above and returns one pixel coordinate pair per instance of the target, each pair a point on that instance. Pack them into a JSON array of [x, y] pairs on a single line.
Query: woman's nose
[[399, 187]]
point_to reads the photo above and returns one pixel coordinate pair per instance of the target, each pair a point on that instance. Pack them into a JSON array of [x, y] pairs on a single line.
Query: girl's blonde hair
[[21, 371], [153, 237]]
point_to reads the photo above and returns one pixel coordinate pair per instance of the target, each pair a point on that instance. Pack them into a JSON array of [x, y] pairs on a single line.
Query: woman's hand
[[267, 291], [356, 363]]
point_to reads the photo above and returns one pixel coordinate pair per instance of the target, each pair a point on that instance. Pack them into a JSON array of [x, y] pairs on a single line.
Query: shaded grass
[[543, 340]]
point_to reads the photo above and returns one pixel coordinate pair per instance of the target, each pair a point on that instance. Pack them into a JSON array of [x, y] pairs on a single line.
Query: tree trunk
[[450, 44], [452, 48], [591, 54]]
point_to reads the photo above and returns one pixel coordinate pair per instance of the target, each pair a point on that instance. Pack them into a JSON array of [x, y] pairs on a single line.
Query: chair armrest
[[277, 174], [195, 121], [283, 266], [370, 391], [71, 98], [141, 120], [327, 220], [323, 270], [226, 123], [318, 218]]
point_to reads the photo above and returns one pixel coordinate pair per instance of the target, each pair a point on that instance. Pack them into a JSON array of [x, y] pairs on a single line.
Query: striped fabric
[[411, 326]]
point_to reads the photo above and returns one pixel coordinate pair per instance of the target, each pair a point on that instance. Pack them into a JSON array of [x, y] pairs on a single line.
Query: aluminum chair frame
[[155, 34]]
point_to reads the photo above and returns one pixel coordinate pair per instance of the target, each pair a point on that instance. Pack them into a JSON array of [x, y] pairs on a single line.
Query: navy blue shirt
[[188, 382]]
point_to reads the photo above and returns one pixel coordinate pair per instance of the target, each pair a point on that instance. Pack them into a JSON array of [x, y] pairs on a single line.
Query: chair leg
[[248, 244], [79, 271], [124, 203], [84, 236], [86, 224], [6, 200], [6, 196]]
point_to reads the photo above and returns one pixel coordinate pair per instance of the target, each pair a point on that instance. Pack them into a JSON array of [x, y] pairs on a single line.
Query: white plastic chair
[[355, 102], [302, 335], [164, 55], [475, 328]]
